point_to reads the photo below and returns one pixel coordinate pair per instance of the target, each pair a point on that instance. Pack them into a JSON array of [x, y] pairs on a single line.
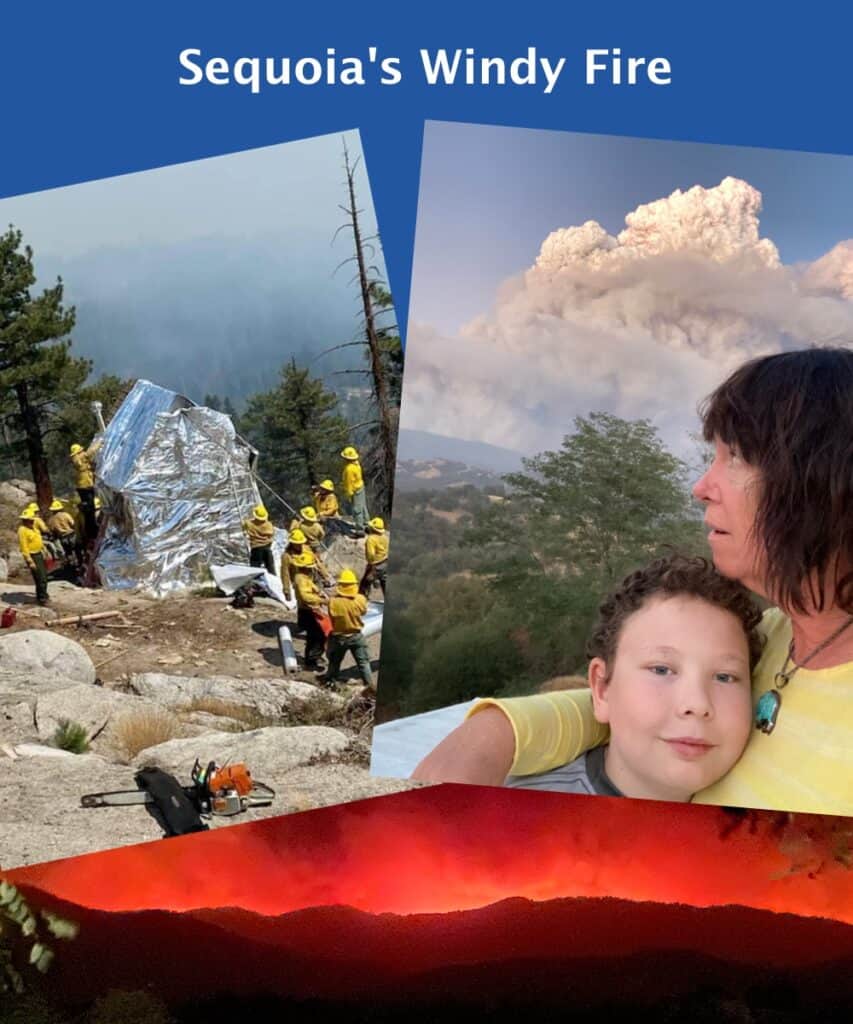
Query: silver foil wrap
[[176, 483]]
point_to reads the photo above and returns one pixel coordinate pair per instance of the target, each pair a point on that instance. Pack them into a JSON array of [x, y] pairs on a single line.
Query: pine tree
[[383, 354], [74, 421], [36, 368], [297, 431]]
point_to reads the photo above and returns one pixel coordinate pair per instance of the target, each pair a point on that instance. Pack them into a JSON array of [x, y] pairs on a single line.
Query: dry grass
[[138, 730], [322, 709], [248, 717]]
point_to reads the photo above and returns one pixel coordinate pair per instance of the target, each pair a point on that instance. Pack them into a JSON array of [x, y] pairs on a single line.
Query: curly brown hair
[[791, 417], [674, 575]]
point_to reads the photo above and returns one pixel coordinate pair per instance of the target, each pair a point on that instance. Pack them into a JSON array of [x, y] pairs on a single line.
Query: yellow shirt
[[84, 467], [61, 523], [259, 531], [286, 568], [313, 531], [30, 542], [351, 478], [346, 613], [376, 548], [308, 594], [326, 504], [805, 764]]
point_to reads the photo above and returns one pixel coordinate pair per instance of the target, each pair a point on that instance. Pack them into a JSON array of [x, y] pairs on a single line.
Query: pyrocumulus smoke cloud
[[642, 324]]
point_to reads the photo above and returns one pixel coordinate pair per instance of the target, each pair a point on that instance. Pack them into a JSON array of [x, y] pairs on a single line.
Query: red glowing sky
[[458, 847]]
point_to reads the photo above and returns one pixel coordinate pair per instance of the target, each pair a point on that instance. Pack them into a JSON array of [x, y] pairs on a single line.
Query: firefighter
[[314, 532], [34, 512], [352, 482], [376, 554], [310, 601], [346, 610], [84, 480], [260, 532], [61, 524], [32, 548], [326, 501], [296, 542], [83, 462]]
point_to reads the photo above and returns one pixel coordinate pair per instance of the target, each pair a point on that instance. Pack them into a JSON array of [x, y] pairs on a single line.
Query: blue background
[[91, 90]]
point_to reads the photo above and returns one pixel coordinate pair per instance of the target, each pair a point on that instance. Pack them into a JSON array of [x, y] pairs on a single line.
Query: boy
[[671, 657]]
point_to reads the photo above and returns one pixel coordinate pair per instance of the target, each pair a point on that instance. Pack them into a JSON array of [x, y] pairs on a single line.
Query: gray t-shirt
[[585, 774]]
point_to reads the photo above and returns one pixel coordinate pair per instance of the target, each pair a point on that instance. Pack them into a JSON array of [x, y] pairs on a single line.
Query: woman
[[778, 502]]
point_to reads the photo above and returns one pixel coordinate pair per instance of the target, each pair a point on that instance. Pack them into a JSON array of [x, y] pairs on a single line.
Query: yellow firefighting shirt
[[346, 613], [260, 532], [84, 467], [313, 531], [351, 478], [61, 523], [30, 542], [326, 504], [308, 594], [376, 548]]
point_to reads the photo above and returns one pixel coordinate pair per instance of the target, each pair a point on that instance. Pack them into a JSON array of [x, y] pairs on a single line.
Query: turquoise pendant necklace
[[770, 702]]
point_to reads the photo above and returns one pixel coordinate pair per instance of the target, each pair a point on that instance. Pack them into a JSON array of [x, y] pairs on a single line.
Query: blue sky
[[490, 195]]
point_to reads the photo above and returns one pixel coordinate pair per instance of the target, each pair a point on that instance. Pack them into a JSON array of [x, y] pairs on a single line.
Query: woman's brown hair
[[791, 417]]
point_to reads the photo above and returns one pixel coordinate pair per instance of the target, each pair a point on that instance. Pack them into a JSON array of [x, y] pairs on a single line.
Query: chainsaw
[[221, 791]]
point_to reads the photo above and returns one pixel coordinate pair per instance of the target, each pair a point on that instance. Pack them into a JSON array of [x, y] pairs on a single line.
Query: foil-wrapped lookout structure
[[176, 482]]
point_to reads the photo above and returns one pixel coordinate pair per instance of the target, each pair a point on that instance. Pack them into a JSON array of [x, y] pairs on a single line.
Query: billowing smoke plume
[[642, 324]]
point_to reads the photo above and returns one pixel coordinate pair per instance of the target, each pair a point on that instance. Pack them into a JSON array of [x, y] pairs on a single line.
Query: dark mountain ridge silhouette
[[584, 951]]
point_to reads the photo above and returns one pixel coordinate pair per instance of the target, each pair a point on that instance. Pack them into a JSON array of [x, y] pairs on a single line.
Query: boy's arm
[[478, 751], [518, 736]]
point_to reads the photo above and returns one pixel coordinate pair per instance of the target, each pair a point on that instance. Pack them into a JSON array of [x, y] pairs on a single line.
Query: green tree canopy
[[500, 595], [37, 371], [298, 432], [74, 421]]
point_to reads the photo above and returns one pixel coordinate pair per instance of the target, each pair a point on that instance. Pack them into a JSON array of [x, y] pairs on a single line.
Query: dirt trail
[[196, 634]]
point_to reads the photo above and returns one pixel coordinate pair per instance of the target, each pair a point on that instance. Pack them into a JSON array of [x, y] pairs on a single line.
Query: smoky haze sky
[[559, 274], [207, 276]]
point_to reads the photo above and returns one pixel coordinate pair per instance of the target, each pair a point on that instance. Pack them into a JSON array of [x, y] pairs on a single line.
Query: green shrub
[[71, 736]]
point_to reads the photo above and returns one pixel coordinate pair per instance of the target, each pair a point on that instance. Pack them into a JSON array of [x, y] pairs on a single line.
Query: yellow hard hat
[[327, 485], [308, 513], [304, 560], [56, 505], [377, 523], [349, 453], [76, 448], [260, 512], [26, 514], [297, 537], [347, 582]]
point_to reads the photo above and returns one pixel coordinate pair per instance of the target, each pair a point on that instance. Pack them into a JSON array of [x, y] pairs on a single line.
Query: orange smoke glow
[[458, 847]]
